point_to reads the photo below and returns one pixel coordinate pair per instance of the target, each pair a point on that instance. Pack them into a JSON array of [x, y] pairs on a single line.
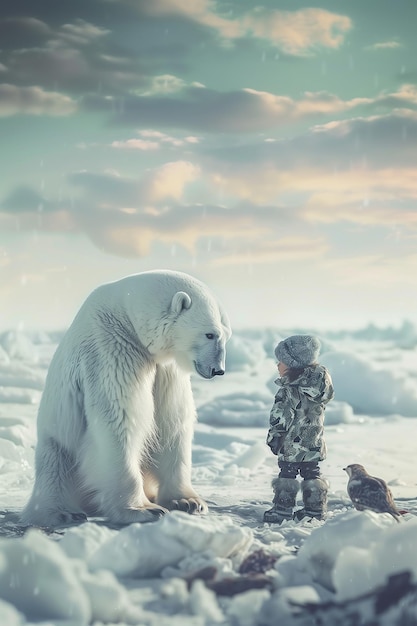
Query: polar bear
[[115, 421]]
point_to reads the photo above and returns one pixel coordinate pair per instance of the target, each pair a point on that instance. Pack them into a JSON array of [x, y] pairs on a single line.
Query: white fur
[[116, 417]]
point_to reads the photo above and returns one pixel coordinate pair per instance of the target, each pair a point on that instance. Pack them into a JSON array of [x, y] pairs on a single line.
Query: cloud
[[108, 189], [80, 56], [298, 32], [136, 144], [19, 32], [29, 32], [384, 45], [166, 83], [81, 33], [126, 216], [294, 32], [377, 141], [24, 199], [280, 249], [242, 111], [74, 70], [360, 171], [159, 184], [169, 181], [374, 269], [404, 97], [74, 56], [134, 233], [33, 101], [386, 196], [202, 109], [151, 140]]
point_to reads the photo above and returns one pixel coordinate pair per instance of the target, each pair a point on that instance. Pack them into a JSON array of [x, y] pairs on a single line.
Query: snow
[[370, 390], [141, 550], [196, 570]]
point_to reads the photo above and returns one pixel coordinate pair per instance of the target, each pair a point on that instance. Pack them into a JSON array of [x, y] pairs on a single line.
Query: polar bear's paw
[[66, 518], [189, 505], [52, 519], [142, 515]]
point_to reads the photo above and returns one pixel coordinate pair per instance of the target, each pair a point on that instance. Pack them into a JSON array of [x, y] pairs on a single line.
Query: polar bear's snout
[[207, 371], [211, 368]]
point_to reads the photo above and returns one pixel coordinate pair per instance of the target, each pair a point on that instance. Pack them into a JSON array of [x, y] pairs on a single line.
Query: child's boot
[[285, 490], [314, 492]]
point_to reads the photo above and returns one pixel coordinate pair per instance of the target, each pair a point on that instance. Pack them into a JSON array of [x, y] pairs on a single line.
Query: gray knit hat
[[298, 350]]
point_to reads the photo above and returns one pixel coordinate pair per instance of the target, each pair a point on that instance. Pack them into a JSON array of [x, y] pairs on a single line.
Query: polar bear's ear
[[180, 301]]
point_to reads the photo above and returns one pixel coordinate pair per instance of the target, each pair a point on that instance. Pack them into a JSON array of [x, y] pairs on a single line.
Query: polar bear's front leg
[[119, 427], [175, 417]]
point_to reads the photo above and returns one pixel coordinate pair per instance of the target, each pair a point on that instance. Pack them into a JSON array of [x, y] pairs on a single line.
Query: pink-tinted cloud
[[294, 32], [298, 32], [169, 181], [110, 189], [281, 249]]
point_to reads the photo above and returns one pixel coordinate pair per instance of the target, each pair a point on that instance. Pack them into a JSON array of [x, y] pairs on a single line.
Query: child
[[296, 429]]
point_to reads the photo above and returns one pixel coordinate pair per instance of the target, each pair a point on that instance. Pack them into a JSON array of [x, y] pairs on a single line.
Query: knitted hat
[[298, 350]]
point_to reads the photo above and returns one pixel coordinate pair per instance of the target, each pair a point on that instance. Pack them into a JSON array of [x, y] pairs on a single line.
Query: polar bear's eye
[[209, 335]]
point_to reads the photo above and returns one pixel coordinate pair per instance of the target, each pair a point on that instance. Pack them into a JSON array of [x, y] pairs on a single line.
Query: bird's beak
[[345, 469]]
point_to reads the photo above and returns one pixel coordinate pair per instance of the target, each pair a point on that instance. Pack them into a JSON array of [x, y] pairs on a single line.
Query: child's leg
[[314, 489], [285, 488], [288, 469]]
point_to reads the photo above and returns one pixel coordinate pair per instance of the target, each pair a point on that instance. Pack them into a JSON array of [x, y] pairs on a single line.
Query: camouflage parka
[[297, 416]]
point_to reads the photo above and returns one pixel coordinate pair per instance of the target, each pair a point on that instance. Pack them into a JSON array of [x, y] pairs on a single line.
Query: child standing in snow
[[296, 429]]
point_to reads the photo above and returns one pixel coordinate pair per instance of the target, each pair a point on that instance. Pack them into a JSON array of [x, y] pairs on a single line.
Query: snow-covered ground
[[228, 567]]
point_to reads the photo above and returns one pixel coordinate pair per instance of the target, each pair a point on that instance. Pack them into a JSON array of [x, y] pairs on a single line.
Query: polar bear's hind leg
[[54, 501]]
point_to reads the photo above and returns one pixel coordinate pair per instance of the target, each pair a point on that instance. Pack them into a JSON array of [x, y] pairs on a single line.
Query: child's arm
[[275, 439], [280, 419], [318, 386]]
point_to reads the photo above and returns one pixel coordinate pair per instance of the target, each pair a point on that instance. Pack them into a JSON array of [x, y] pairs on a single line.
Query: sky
[[270, 150]]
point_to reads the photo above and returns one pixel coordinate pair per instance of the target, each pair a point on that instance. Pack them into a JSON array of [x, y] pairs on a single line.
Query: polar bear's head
[[199, 332], [175, 317]]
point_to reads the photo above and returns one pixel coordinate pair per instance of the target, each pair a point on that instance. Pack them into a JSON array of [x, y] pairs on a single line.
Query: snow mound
[[9, 616], [237, 409], [39, 582], [243, 353], [22, 376], [39, 579], [144, 550], [368, 390], [19, 396], [362, 569], [81, 542], [18, 346], [338, 413], [356, 551], [4, 357]]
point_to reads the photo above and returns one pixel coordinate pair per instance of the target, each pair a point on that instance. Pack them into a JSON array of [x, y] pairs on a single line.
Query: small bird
[[370, 492]]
